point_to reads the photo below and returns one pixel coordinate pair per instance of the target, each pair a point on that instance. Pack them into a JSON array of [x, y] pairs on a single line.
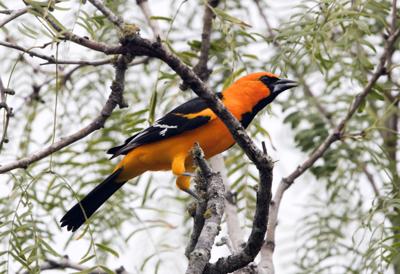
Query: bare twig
[[335, 135], [215, 190], [8, 112], [81, 62], [65, 263], [28, 51], [144, 6], [265, 18], [67, 76], [115, 19], [114, 99], [13, 14], [201, 68], [6, 11], [53, 60]]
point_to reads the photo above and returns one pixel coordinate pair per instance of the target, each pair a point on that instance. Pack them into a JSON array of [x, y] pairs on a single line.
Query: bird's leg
[[183, 180]]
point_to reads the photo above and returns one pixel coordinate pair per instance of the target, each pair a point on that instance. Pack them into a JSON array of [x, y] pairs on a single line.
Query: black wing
[[173, 123]]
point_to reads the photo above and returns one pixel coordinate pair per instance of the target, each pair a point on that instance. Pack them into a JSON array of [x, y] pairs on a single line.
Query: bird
[[166, 144]]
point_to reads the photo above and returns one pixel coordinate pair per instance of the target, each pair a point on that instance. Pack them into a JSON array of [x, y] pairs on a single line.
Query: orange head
[[256, 90]]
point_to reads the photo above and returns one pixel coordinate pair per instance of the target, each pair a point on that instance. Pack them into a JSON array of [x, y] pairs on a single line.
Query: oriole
[[167, 144]]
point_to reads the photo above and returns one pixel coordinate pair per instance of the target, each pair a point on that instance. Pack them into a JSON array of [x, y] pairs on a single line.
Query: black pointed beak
[[282, 85]]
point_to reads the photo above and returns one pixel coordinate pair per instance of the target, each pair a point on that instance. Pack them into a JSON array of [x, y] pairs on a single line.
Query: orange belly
[[213, 138]]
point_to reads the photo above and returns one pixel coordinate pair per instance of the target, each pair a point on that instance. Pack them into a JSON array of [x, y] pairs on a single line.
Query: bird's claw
[[191, 193]]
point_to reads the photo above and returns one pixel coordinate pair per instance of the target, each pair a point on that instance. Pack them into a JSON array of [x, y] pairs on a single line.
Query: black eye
[[268, 81]]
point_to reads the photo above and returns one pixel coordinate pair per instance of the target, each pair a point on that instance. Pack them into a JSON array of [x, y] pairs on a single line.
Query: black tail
[[82, 211]]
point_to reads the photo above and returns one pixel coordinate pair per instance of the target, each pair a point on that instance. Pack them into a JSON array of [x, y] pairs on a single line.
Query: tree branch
[[335, 135], [201, 68], [8, 112], [113, 100], [115, 19], [53, 60], [83, 41], [212, 183], [65, 263], [13, 14]]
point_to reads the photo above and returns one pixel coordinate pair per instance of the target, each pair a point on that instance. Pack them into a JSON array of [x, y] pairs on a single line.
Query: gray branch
[[53, 60], [201, 69], [212, 183], [115, 19]]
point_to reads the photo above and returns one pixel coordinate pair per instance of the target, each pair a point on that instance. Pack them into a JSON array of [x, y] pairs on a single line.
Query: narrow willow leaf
[[107, 249]]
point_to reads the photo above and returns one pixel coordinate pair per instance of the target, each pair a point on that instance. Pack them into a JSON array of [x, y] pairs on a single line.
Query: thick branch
[[114, 99], [215, 189]]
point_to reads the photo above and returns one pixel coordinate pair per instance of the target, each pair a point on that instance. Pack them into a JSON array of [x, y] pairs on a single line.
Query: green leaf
[[28, 31], [168, 19], [106, 269], [107, 249], [226, 17], [86, 259], [376, 94]]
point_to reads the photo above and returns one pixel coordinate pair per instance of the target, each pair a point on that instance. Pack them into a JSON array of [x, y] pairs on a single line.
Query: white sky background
[[287, 156]]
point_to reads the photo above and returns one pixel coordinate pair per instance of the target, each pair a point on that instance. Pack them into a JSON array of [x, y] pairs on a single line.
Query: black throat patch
[[247, 117]]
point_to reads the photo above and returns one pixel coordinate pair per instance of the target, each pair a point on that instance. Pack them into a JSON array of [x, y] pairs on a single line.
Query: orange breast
[[213, 138]]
